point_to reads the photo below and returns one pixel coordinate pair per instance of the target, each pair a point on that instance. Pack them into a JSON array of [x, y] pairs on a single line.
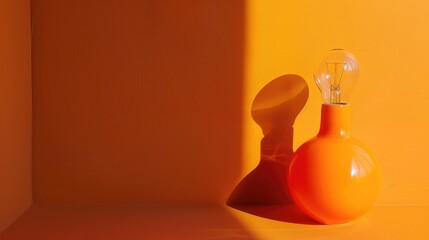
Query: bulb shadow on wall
[[264, 191]]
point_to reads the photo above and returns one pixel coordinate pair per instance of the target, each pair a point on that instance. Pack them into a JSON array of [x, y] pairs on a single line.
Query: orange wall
[[15, 110], [147, 101], [390, 101], [137, 101]]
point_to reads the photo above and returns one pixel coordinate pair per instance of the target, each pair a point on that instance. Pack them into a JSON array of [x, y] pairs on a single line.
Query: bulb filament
[[335, 70]]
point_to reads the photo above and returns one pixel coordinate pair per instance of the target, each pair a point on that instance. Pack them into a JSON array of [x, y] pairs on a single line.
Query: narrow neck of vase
[[335, 120]]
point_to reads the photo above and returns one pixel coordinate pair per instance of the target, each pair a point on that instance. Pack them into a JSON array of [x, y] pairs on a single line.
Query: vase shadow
[[264, 191]]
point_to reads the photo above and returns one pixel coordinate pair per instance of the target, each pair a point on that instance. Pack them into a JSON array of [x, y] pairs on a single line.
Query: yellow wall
[[15, 110], [390, 101]]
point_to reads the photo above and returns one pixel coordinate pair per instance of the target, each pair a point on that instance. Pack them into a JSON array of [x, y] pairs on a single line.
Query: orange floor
[[207, 222]]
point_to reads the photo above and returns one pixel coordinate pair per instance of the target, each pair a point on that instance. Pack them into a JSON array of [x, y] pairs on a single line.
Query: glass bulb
[[336, 75]]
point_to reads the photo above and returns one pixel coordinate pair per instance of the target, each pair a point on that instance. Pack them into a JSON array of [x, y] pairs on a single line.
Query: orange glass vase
[[333, 178]]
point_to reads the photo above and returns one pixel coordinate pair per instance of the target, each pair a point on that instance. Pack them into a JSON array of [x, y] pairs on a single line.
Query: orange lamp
[[332, 177]]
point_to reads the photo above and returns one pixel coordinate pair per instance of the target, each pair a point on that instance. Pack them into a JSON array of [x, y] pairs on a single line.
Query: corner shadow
[[264, 191]]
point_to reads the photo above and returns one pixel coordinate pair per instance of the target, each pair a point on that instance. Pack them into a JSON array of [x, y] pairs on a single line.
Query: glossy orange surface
[[333, 177]]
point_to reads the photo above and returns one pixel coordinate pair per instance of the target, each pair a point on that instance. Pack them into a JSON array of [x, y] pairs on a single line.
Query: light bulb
[[332, 177], [336, 75]]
